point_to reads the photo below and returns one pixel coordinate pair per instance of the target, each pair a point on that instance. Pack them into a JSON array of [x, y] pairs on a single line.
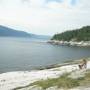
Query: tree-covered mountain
[[82, 34], [5, 31], [8, 32]]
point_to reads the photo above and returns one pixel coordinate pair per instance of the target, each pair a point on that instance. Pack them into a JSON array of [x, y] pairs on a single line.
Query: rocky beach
[[70, 43], [14, 80]]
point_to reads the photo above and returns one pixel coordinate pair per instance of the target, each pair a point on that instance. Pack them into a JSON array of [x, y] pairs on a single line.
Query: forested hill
[[82, 34], [5, 31], [9, 32]]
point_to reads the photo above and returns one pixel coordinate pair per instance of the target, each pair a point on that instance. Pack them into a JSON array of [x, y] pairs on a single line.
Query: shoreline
[[70, 43], [11, 80]]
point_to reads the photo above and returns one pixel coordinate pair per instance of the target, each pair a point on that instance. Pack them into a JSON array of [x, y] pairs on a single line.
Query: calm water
[[26, 54]]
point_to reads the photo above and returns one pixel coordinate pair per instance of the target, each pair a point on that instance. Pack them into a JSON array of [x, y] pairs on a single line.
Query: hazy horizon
[[44, 17]]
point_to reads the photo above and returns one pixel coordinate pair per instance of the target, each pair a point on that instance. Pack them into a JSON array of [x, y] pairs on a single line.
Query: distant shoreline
[[70, 43]]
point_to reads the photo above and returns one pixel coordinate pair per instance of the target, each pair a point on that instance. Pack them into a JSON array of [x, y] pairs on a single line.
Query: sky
[[45, 17]]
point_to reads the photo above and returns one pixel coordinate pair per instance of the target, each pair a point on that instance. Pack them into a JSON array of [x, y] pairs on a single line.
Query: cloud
[[74, 2], [45, 16], [37, 3]]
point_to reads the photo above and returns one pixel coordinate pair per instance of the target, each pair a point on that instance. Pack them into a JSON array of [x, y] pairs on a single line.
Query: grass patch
[[66, 82], [86, 80], [62, 82], [46, 83]]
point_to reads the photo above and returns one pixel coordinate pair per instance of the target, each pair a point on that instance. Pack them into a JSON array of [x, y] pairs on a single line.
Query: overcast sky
[[45, 17]]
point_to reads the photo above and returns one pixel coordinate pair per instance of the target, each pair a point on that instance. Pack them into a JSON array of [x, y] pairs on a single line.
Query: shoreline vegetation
[[53, 77], [77, 37]]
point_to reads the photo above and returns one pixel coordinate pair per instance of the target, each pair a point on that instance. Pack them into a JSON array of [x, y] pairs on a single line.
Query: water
[[18, 54]]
